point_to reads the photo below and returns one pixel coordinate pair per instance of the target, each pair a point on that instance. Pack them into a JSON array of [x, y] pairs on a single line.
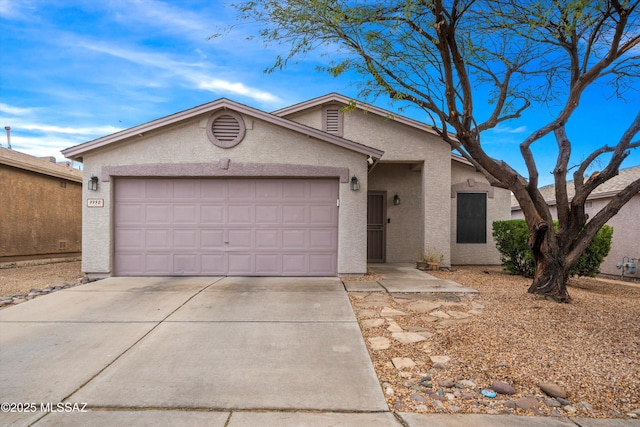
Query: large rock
[[407, 337], [440, 359], [379, 343], [503, 387], [391, 312], [403, 362], [553, 390], [527, 403]]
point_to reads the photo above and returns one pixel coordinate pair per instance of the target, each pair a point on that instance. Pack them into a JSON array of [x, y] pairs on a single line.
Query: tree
[[445, 56]]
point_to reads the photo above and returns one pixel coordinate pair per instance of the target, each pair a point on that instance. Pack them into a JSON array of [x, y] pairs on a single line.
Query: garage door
[[257, 227]]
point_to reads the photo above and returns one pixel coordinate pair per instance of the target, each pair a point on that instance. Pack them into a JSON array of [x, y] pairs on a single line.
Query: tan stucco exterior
[[464, 179], [40, 208]]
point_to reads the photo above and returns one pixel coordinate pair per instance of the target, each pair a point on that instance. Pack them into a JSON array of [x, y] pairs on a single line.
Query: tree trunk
[[552, 273]]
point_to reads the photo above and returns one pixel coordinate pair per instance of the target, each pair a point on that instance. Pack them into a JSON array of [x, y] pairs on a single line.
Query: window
[[471, 218], [332, 119]]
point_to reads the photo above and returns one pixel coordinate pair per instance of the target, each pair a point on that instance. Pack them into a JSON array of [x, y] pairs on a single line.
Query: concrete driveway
[[189, 351]]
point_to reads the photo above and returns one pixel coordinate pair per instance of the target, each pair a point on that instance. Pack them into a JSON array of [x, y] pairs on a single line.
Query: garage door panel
[[240, 214], [294, 239], [268, 214], [212, 239], [214, 226], [130, 238], [185, 214], [130, 213], [212, 214], [213, 264], [161, 189], [268, 239], [159, 263], [186, 239], [186, 263], [158, 214], [294, 214]]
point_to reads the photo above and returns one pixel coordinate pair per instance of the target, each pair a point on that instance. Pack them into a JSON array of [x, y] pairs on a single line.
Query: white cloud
[[217, 85], [510, 130], [14, 111]]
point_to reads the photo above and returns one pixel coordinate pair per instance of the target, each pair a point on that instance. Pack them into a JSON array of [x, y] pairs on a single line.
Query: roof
[[39, 165], [604, 190], [336, 97], [77, 151]]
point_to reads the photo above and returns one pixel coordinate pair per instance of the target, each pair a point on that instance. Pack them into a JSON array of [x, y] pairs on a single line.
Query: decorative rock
[[440, 314], [423, 306], [458, 314], [399, 406], [388, 391], [552, 403], [19, 300], [468, 383], [407, 337], [403, 362], [528, 402], [553, 390], [446, 383], [393, 326], [476, 312], [422, 408], [438, 406], [390, 312], [372, 323], [503, 387], [440, 359], [379, 343], [439, 366], [417, 398], [368, 313], [454, 408], [510, 404], [563, 402], [569, 409], [585, 406], [468, 395]]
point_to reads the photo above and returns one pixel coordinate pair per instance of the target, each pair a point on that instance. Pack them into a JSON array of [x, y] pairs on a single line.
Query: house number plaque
[[95, 203]]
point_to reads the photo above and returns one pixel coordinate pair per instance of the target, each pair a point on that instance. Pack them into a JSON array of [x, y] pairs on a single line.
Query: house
[[40, 208], [227, 189], [625, 244]]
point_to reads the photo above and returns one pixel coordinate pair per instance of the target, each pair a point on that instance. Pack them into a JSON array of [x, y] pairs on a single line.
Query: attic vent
[[225, 129], [332, 120]]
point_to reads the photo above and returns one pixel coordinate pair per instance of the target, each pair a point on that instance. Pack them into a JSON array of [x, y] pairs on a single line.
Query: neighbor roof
[[77, 151], [43, 166], [607, 189]]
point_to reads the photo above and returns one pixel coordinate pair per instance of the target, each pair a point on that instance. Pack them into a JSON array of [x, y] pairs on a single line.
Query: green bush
[[512, 240]]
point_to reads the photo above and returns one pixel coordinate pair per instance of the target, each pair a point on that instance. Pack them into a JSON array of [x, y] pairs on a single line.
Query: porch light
[[396, 200], [355, 184], [93, 183]]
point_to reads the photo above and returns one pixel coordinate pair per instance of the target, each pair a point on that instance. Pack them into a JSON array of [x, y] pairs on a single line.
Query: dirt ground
[[20, 280]]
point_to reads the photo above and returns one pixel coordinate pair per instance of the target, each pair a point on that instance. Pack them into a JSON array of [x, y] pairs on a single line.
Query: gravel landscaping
[[439, 353], [442, 353]]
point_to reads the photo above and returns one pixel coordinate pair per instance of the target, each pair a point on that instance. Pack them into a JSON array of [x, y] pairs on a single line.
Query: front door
[[376, 226]]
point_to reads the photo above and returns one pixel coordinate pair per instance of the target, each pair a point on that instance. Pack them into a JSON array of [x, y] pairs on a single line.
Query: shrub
[[512, 240]]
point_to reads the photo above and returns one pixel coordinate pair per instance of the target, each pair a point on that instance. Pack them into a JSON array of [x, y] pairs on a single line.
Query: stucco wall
[[187, 143], [404, 144], [626, 233], [40, 215], [404, 232], [466, 180]]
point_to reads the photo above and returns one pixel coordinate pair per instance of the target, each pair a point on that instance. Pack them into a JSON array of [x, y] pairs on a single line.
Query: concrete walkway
[[206, 351]]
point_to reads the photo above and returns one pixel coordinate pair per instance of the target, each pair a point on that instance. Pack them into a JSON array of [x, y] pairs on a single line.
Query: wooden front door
[[376, 226]]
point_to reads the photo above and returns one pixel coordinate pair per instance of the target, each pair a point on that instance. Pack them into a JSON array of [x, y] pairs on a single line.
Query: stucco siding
[[187, 143], [466, 180], [40, 215]]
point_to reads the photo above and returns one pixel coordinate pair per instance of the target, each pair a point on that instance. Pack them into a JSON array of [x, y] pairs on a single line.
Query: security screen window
[[471, 218]]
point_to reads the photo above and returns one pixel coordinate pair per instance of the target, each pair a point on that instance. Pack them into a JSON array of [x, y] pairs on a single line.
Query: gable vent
[[332, 120], [225, 129]]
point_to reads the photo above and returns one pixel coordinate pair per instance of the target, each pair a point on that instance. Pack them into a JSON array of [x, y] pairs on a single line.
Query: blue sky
[[72, 71]]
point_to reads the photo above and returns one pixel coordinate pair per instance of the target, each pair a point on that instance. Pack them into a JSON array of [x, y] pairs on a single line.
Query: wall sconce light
[[355, 184], [93, 183], [396, 200]]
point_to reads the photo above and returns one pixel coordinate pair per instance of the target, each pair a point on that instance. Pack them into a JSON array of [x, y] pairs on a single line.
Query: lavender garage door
[[259, 227]]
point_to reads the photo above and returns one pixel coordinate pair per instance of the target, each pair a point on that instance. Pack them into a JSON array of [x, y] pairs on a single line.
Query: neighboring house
[[226, 189], [626, 226], [40, 207]]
